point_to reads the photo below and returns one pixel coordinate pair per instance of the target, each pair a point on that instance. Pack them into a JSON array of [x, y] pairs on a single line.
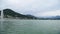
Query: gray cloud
[[30, 6]]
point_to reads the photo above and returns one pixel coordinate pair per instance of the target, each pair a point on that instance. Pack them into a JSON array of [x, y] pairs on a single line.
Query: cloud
[[32, 4], [49, 13]]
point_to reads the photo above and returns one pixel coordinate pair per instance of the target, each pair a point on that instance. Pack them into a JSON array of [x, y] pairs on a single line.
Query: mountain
[[56, 17], [50, 18], [8, 13]]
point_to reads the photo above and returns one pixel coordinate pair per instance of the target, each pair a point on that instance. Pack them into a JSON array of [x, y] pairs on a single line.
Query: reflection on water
[[6, 26], [31, 27]]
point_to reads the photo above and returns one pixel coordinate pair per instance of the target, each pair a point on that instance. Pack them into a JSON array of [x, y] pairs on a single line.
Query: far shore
[[12, 19]]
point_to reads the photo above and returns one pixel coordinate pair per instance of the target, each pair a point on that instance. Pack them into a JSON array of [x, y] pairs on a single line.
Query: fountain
[[2, 21], [1, 15]]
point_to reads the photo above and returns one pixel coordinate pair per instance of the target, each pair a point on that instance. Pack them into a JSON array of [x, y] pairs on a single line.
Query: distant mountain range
[[51, 18], [8, 13]]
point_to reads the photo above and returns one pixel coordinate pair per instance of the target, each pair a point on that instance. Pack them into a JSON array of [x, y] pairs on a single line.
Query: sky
[[34, 7]]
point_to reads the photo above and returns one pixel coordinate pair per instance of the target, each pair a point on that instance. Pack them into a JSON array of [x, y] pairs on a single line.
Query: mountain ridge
[[8, 13]]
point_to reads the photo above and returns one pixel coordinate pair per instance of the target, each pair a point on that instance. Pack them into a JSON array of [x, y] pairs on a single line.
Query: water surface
[[31, 27]]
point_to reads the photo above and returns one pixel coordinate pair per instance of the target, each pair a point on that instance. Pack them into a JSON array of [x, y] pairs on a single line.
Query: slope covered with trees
[[8, 13]]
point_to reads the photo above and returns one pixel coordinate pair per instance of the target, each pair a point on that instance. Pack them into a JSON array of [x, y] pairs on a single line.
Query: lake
[[30, 27]]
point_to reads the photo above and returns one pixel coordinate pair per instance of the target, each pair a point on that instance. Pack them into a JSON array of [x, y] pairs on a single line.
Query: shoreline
[[6, 19]]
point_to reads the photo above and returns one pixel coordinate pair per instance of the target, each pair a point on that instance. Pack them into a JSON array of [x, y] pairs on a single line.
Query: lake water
[[30, 27]]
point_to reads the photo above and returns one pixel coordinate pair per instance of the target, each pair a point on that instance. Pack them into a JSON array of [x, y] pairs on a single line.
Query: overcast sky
[[34, 7]]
